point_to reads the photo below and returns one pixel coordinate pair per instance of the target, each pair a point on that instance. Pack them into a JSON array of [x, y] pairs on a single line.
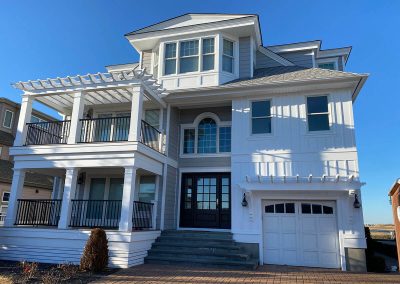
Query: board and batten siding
[[263, 61], [146, 60], [245, 64], [171, 199], [299, 58]]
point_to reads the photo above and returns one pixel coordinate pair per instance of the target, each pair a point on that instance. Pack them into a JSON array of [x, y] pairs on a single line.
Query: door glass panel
[[147, 188], [225, 185], [96, 195], [207, 193], [115, 197]]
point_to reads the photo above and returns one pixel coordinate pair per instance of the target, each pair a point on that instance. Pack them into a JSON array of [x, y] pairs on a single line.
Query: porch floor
[[152, 273]]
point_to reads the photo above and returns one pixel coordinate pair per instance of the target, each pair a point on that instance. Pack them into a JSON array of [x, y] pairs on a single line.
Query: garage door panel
[[294, 237]]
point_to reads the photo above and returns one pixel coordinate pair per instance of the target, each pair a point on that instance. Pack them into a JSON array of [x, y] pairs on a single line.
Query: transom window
[[317, 113], [261, 117], [280, 208], [206, 137], [227, 56], [308, 208], [8, 117]]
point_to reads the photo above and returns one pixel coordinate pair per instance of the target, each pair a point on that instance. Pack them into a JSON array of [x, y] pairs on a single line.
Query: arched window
[[207, 136]]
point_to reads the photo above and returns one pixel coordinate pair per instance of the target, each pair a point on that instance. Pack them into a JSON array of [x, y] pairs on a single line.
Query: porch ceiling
[[101, 88]]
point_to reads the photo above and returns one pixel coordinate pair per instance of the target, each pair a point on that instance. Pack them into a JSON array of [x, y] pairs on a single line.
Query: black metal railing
[[142, 217], [52, 132], [107, 129], [151, 136], [38, 212], [95, 213]]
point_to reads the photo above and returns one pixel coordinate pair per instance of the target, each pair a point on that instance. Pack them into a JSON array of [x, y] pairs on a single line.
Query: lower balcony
[[84, 214]]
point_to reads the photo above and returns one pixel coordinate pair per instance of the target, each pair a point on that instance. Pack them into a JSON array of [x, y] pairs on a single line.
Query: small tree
[[95, 255]]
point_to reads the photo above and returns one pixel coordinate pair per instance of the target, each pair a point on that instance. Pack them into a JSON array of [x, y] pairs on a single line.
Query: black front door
[[206, 200]]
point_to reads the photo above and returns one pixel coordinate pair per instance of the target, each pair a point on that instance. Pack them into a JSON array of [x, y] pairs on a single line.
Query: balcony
[[92, 130]]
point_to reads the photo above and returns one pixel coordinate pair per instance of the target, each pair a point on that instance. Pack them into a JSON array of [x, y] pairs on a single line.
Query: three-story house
[[212, 136]]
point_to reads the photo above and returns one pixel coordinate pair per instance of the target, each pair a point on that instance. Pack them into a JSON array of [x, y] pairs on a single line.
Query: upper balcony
[[105, 112]]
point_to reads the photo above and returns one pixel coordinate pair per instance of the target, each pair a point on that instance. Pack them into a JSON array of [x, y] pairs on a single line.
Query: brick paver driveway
[[150, 273]]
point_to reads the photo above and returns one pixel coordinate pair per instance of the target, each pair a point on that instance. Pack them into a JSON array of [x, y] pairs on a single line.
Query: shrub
[[29, 270], [95, 255]]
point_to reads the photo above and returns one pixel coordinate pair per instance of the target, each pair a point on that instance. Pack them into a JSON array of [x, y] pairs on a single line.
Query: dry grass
[[5, 279]]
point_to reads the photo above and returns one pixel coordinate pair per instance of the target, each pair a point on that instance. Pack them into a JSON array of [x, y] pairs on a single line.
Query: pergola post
[[77, 113], [136, 113], [25, 113]]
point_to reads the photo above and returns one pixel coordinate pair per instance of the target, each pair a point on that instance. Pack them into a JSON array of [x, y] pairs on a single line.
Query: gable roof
[[189, 19]]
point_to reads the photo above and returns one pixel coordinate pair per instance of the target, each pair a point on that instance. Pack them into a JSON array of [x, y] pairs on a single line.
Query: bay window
[[170, 59], [208, 54], [189, 56], [227, 56]]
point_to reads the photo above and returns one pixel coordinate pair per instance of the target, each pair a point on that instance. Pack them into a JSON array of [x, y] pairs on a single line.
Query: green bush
[[95, 255]]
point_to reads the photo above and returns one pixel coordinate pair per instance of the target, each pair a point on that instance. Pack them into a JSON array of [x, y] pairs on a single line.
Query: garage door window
[[307, 208], [287, 208]]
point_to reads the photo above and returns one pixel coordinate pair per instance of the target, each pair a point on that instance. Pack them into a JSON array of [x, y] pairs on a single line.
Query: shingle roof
[[289, 74], [31, 179], [6, 138]]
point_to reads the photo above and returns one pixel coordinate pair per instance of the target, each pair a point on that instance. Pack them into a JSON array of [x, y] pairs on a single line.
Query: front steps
[[199, 248]]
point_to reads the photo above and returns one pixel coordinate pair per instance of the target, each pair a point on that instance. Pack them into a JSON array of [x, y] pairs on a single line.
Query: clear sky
[[46, 39]]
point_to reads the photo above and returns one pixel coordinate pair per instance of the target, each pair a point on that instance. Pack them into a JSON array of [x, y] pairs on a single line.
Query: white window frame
[[202, 54], [194, 126], [11, 120], [171, 58], [2, 197], [190, 56], [271, 106], [230, 56], [317, 132]]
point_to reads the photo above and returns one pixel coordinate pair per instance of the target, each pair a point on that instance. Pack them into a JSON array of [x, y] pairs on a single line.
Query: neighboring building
[[36, 186], [394, 194], [212, 131]]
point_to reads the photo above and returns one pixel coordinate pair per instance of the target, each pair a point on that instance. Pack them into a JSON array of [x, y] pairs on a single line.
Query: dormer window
[[189, 56], [327, 65], [227, 56], [170, 59]]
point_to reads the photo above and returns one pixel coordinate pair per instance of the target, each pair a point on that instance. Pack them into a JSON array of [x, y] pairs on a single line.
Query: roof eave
[[394, 187]]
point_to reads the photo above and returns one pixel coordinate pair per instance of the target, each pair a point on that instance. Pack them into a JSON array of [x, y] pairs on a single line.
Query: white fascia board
[[295, 46], [275, 56], [214, 26], [345, 51], [359, 86]]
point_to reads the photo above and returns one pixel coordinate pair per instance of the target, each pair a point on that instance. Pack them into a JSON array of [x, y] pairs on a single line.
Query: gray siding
[[173, 139], [146, 60], [263, 61], [245, 64], [171, 203], [189, 115], [205, 162], [299, 58]]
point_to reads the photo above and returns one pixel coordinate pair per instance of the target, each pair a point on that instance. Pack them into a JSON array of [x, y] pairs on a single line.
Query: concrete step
[[206, 261], [198, 244], [195, 238], [198, 252]]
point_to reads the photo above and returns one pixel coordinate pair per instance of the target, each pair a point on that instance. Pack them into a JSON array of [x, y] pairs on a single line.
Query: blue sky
[[42, 39]]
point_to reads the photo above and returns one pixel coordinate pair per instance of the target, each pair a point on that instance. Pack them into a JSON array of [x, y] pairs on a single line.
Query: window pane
[[261, 125], [327, 210], [228, 47], [227, 64], [279, 208], [207, 136], [188, 142], [289, 207], [208, 45], [316, 209], [306, 208], [329, 66], [6, 196], [208, 62], [224, 139], [170, 66], [318, 122], [261, 108], [170, 50], [189, 64], [8, 119], [269, 209], [317, 104], [147, 188], [189, 48]]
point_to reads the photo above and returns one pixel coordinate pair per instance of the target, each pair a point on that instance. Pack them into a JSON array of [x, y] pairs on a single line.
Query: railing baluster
[[142, 215], [40, 212], [52, 132]]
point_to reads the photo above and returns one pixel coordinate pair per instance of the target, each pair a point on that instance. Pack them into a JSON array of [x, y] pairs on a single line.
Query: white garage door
[[301, 233]]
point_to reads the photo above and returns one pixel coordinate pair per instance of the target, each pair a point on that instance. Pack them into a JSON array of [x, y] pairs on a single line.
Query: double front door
[[206, 200]]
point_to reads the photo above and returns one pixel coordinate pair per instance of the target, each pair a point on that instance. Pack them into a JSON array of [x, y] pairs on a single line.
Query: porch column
[[136, 113], [25, 113], [70, 185], [17, 187], [128, 196], [77, 113]]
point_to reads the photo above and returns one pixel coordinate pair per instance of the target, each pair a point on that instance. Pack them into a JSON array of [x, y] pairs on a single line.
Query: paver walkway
[[151, 273]]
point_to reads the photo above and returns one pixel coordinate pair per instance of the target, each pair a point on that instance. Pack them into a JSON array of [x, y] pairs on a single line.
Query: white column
[[77, 113], [17, 187], [70, 185], [136, 114], [128, 196], [24, 117]]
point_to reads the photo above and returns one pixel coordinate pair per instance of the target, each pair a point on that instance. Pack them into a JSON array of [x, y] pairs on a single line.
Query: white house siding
[[292, 150], [300, 58], [245, 62]]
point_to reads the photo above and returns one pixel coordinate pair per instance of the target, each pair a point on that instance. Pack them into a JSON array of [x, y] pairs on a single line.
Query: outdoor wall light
[[356, 203], [244, 201]]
